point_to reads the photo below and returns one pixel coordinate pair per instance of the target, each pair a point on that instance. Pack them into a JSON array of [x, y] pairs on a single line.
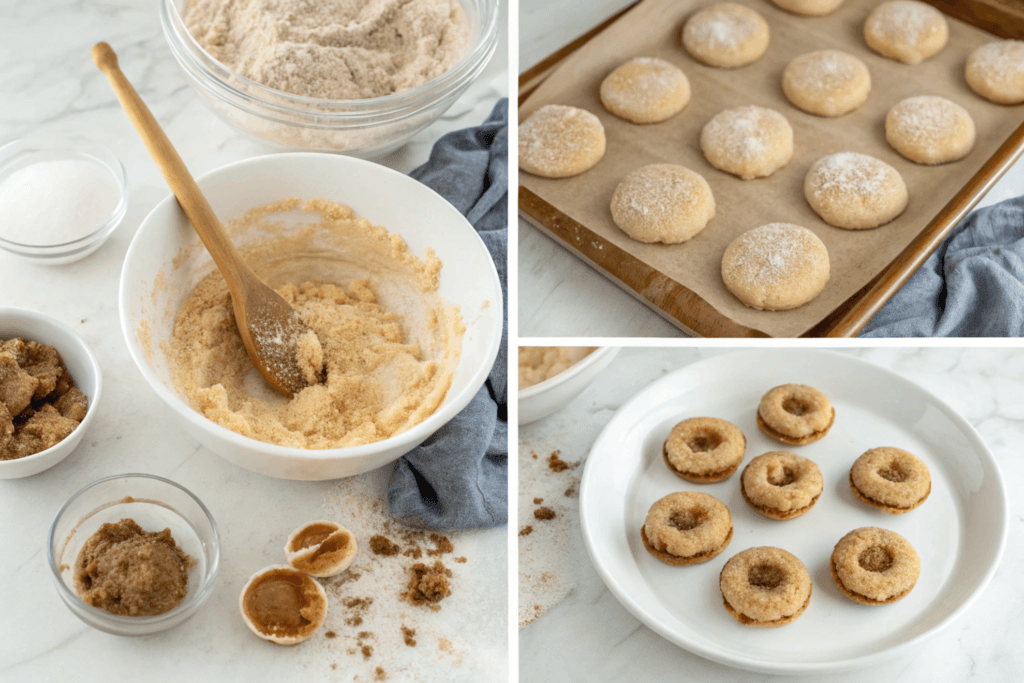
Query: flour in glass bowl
[[56, 202]]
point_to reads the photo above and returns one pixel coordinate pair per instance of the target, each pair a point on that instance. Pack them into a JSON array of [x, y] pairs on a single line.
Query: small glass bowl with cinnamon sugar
[[155, 504]]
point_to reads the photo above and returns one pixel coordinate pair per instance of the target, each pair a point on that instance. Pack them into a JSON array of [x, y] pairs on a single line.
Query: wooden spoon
[[269, 326]]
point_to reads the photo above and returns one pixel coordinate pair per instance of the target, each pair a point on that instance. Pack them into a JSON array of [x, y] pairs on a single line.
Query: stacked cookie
[[768, 586]]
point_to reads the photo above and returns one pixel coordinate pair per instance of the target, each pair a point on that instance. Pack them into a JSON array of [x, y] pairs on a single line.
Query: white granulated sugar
[[772, 253], [647, 90], [907, 21], [333, 49], [56, 202], [926, 120], [850, 173], [466, 639], [554, 131], [1002, 60], [743, 132]]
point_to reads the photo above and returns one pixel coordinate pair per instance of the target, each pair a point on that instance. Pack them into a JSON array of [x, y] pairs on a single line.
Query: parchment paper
[[652, 29]]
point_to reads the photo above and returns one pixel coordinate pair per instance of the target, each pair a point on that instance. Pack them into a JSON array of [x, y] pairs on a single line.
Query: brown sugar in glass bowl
[[875, 566], [687, 527], [153, 504], [795, 414], [890, 479], [704, 450]]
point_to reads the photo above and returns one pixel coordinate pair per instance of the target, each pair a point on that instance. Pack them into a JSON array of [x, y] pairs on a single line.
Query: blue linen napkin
[[458, 477], [971, 286]]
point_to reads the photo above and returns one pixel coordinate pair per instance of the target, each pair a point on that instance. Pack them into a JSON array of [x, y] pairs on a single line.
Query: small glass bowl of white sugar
[[60, 199]]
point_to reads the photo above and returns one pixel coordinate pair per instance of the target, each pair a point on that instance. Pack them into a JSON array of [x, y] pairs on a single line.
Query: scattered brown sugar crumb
[[414, 553], [358, 603], [538, 501], [409, 634], [557, 464], [429, 585], [544, 513], [444, 645], [380, 674], [526, 530], [381, 545], [461, 560], [331, 634], [334, 666], [357, 620], [443, 545], [125, 570], [533, 455], [571, 491], [367, 651]]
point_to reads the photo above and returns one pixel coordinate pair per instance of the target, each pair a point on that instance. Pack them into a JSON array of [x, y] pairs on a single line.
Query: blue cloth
[[458, 477], [971, 286]]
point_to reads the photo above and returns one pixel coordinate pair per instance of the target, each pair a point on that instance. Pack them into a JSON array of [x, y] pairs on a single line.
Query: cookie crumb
[[544, 513]]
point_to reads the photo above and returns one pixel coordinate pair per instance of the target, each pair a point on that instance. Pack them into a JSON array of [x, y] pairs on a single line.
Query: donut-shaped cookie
[[809, 8], [826, 83], [704, 449], [557, 141], [906, 30], [765, 587], [748, 142], [930, 130], [891, 480], [875, 566], [726, 35], [776, 267], [795, 414], [855, 191], [645, 90], [662, 203], [781, 485], [996, 71], [687, 528]]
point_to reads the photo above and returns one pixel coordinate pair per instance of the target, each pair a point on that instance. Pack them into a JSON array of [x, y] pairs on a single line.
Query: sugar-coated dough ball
[[776, 267], [930, 130], [645, 90], [826, 83], [855, 191], [748, 142], [906, 30], [810, 8], [557, 141], [996, 71], [726, 34], [662, 203]]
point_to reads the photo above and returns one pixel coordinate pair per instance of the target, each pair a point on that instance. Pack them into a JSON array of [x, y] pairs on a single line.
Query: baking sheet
[[652, 29]]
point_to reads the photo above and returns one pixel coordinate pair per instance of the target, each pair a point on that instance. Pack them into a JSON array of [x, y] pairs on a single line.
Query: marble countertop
[[985, 385], [559, 294], [51, 87]]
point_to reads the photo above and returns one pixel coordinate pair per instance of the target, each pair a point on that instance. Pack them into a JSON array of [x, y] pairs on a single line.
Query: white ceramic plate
[[959, 531]]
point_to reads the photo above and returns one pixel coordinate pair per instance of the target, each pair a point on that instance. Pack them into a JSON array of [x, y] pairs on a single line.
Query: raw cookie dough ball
[[875, 566], [810, 8], [686, 528], [662, 203], [795, 414], [645, 90], [557, 141], [776, 267], [726, 34], [704, 449], [890, 479], [855, 191], [748, 142], [826, 83], [996, 71], [765, 587], [781, 485], [930, 130], [906, 30]]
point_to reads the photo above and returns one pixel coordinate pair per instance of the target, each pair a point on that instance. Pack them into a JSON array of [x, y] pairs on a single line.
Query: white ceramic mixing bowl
[[385, 197], [551, 395]]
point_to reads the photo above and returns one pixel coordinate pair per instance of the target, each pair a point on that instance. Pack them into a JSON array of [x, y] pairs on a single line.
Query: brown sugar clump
[[283, 605], [557, 464], [461, 560], [125, 570], [380, 674], [330, 634], [526, 530], [39, 403], [428, 585], [381, 545], [544, 513], [409, 635], [414, 553], [538, 501], [443, 545]]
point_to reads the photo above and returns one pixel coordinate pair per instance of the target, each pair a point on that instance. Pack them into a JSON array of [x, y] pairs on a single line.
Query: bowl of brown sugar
[[134, 554]]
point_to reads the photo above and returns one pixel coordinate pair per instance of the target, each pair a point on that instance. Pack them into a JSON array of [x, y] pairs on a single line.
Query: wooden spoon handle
[[184, 187]]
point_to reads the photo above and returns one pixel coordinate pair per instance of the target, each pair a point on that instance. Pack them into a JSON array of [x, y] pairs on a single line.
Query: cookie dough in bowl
[[347, 242]]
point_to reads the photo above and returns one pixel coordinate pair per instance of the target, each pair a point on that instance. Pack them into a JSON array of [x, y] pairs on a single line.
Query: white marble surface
[[559, 294], [50, 87], [590, 636]]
